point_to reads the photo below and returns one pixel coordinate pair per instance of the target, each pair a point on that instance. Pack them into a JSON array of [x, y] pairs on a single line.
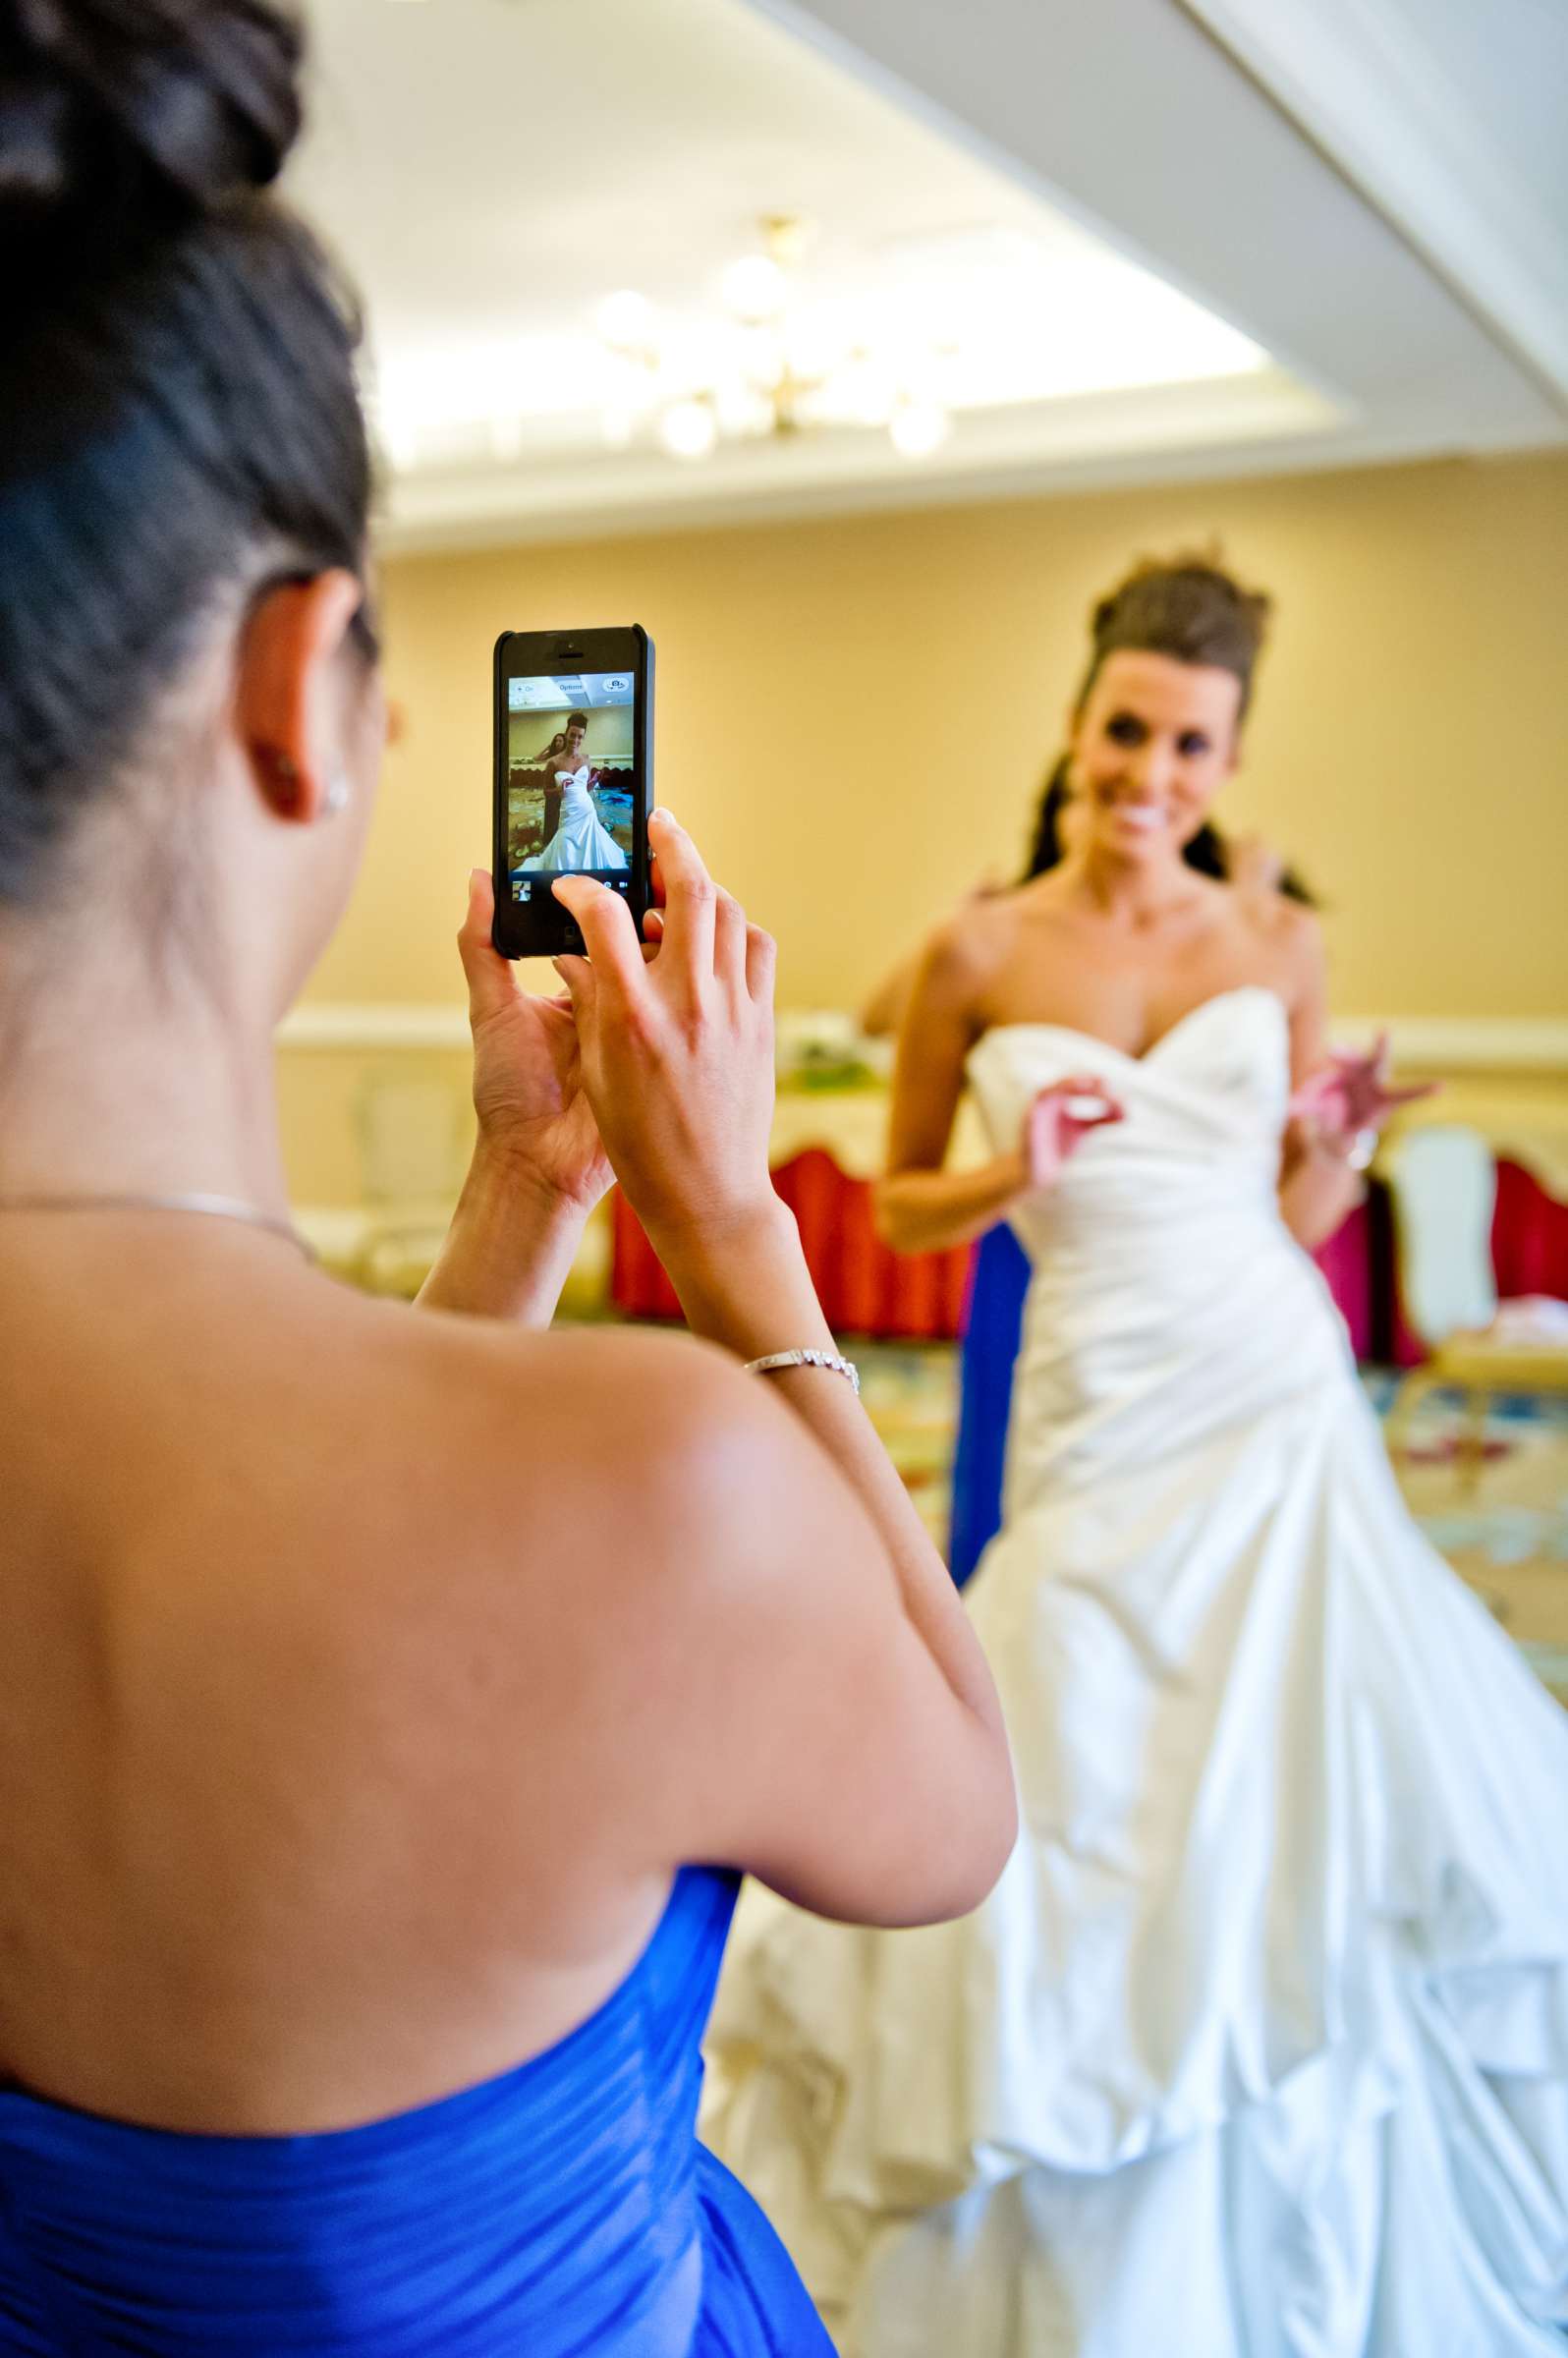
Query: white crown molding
[[1450, 1043], [1279, 457], [1370, 87]]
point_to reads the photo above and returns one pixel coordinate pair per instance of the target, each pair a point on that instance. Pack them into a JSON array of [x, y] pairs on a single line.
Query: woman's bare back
[[304, 1708], [371, 1671]]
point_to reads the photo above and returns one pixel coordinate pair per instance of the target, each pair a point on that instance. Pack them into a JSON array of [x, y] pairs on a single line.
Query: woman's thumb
[[489, 974]]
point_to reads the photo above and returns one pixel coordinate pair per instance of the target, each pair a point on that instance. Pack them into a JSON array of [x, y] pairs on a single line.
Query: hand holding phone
[[528, 1099], [677, 1053]]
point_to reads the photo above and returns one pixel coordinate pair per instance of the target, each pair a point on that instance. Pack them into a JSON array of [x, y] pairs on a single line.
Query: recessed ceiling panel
[[629, 254]]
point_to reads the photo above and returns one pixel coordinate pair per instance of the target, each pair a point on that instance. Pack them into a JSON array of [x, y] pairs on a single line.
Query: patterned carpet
[[1509, 1540]]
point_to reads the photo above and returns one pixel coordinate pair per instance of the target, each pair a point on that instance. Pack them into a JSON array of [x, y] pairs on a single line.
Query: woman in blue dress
[[371, 1678]]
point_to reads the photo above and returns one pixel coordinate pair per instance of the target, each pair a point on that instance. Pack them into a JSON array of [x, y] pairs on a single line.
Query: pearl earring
[[336, 797]]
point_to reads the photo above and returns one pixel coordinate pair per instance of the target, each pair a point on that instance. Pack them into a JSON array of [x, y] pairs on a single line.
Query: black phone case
[[542, 928]]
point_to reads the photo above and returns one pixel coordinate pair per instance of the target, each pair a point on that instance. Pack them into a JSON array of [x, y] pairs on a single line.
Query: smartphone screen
[[573, 777]]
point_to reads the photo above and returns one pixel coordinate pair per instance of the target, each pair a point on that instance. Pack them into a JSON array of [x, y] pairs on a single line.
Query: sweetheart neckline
[[1108, 1047]]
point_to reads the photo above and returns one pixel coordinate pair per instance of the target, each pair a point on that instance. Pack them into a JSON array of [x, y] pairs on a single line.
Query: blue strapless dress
[[562, 2209]]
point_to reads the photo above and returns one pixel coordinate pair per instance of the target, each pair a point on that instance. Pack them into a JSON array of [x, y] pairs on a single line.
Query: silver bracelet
[[806, 1359], [1362, 1147]]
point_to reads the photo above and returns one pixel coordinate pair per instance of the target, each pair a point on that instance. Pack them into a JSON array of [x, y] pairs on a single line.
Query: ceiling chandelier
[[773, 364]]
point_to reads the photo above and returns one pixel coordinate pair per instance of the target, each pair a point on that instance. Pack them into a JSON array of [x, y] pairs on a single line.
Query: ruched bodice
[[576, 805], [562, 2209], [1200, 1147], [1166, 1284]]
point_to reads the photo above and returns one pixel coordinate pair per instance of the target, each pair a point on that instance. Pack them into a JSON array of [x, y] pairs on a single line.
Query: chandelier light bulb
[[626, 320], [863, 390], [753, 288], [742, 409], [688, 430], [918, 428]]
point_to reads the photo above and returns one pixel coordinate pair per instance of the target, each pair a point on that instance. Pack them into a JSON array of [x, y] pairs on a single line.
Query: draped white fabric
[[1260, 2050]]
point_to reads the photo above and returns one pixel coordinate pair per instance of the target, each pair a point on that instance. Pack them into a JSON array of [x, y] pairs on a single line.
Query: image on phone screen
[[572, 782]]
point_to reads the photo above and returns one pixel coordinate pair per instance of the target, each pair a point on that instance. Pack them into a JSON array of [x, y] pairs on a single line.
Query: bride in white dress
[[1260, 2049], [581, 839]]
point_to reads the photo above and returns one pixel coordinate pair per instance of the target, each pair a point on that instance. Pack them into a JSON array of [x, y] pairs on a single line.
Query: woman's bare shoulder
[[976, 940], [635, 1510], [435, 1435], [595, 1387], [538, 1517], [1287, 928], [608, 1429]]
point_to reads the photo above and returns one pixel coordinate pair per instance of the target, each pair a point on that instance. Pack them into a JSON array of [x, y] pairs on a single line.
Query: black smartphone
[[574, 777]]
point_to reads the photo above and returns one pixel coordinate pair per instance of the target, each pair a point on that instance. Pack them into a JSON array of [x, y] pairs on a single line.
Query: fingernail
[[665, 819]]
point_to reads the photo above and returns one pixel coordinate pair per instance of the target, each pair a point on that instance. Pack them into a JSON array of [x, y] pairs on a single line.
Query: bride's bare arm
[[919, 1206], [882, 1013]]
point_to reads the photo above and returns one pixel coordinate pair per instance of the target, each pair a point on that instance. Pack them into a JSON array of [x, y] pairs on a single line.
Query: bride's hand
[[678, 1049], [528, 1080], [1059, 1120], [1351, 1093]]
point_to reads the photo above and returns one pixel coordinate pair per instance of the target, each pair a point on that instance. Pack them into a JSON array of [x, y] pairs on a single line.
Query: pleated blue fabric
[[561, 2209]]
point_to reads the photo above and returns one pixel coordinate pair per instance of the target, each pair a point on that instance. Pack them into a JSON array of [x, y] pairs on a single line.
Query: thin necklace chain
[[218, 1208]]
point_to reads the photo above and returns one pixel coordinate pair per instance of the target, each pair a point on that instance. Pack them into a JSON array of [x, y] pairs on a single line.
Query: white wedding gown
[[581, 839], [1260, 2049]]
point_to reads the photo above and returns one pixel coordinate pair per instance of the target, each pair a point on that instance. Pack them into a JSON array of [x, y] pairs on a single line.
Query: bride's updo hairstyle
[[1190, 609], [1196, 612], [179, 419]]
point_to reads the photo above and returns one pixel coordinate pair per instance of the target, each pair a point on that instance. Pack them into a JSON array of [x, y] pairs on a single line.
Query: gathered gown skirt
[[1259, 2047]]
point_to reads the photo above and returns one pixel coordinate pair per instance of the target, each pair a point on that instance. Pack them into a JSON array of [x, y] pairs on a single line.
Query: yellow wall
[[818, 685]]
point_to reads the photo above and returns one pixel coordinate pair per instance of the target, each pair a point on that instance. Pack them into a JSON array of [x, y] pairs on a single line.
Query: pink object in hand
[[1060, 1118]]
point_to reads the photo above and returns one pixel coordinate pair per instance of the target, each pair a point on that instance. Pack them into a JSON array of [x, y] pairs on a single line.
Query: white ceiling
[[490, 169], [1452, 116]]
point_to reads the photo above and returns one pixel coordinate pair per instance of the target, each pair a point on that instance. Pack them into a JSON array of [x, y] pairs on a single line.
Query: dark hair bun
[[1188, 606], [119, 117]]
